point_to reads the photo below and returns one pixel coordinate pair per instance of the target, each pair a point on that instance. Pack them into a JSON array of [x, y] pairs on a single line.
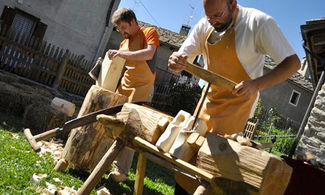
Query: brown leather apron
[[223, 112], [138, 79]]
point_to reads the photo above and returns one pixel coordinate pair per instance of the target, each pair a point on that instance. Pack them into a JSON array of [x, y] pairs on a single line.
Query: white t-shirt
[[256, 35]]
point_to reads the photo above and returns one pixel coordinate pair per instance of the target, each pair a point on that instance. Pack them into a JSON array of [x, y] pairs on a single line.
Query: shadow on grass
[[11, 123], [155, 171]]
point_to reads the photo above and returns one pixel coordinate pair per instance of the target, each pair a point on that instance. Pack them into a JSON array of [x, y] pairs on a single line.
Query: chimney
[[185, 29]]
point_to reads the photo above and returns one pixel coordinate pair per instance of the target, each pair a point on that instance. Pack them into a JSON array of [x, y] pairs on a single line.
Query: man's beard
[[221, 27], [126, 35]]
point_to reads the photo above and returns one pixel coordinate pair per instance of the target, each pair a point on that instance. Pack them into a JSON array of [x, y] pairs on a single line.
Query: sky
[[171, 14]]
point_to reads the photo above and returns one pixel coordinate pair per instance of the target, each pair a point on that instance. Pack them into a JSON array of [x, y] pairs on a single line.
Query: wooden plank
[[210, 76], [110, 73]]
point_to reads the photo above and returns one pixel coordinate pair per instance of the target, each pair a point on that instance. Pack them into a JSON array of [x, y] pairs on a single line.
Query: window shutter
[[8, 16], [40, 30]]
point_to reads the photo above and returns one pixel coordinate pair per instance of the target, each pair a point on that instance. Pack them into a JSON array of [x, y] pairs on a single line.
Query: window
[[294, 99], [20, 23]]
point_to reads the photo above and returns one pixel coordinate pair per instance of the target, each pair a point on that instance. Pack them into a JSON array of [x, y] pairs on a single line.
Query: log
[[63, 106], [86, 145], [135, 120], [225, 158], [131, 122]]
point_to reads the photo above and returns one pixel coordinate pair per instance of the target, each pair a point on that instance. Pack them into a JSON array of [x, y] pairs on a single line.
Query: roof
[[166, 36], [296, 78], [313, 34]]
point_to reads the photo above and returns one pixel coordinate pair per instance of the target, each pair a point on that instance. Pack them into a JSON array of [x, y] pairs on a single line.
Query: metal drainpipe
[[304, 121]]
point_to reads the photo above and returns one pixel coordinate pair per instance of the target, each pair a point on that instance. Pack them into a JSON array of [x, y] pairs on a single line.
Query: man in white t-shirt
[[234, 41]]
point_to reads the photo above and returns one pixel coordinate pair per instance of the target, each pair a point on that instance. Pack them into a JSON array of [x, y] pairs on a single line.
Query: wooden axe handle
[[210, 76], [31, 140]]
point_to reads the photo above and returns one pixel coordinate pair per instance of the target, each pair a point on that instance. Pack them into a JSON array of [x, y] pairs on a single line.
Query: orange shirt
[[151, 37]]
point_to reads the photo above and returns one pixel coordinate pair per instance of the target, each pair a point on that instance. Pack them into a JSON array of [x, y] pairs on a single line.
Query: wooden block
[[192, 138], [199, 142], [180, 148], [63, 105], [110, 73], [226, 158]]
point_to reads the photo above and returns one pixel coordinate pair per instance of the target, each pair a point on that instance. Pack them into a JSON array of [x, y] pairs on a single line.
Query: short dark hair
[[123, 14]]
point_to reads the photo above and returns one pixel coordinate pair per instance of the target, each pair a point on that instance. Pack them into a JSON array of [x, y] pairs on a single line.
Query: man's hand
[[177, 62], [113, 53], [247, 88]]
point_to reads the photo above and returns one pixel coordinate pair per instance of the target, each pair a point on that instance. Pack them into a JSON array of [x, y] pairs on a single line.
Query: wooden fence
[[43, 62]]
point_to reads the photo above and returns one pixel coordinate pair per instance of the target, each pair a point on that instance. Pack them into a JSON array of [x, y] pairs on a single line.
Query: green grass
[[18, 163]]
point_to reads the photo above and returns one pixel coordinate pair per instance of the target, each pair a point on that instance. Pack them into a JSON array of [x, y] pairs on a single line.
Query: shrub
[[283, 144]]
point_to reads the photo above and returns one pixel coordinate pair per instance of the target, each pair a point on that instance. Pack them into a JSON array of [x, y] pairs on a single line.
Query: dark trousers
[[179, 190]]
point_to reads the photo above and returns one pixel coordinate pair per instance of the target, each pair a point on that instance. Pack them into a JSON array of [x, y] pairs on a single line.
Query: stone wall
[[313, 139]]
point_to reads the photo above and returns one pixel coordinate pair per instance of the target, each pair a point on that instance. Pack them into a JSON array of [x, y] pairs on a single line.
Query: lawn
[[18, 164]]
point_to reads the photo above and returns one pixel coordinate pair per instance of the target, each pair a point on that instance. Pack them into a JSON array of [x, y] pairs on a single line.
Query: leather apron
[[223, 112], [138, 79]]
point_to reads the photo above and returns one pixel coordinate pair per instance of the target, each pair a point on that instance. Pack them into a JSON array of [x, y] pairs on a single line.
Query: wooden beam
[[139, 177], [142, 144]]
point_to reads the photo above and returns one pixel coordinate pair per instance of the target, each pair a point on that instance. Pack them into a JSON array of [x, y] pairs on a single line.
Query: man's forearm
[[280, 73], [135, 55], [142, 54]]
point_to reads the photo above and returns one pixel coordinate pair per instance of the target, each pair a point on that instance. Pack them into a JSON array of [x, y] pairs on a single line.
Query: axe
[[77, 122]]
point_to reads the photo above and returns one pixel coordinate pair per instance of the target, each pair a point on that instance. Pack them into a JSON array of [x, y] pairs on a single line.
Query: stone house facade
[[290, 99], [78, 25], [313, 138]]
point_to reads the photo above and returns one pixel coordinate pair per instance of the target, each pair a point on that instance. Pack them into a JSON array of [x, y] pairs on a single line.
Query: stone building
[[78, 25], [290, 99], [313, 138]]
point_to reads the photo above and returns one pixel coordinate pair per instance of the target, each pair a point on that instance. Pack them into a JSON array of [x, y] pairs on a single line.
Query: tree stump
[[86, 145]]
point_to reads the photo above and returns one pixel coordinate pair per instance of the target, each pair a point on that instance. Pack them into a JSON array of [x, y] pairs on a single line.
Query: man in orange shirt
[[139, 76]]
